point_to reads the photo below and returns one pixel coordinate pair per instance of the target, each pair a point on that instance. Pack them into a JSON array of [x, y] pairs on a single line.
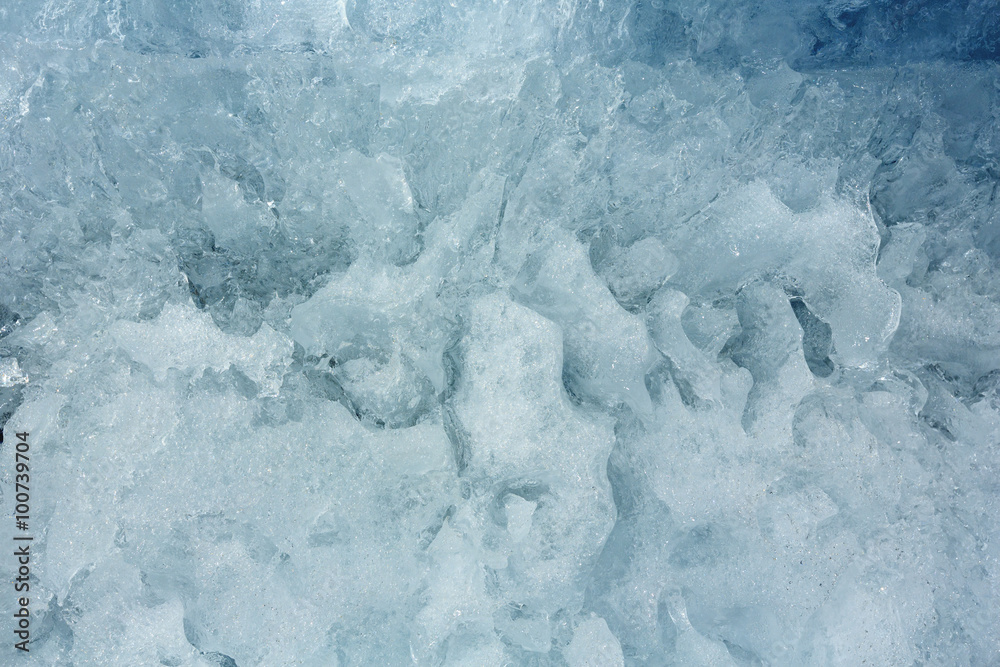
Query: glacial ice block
[[607, 349], [539, 508]]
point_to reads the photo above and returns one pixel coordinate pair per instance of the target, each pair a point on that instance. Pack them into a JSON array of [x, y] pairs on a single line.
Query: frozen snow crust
[[503, 332]]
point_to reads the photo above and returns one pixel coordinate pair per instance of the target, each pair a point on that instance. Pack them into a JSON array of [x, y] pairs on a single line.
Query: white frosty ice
[[187, 340], [540, 506], [593, 645], [827, 252], [10, 373], [608, 350]]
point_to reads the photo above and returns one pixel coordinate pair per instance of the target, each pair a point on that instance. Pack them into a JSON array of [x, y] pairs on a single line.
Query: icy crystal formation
[[503, 332]]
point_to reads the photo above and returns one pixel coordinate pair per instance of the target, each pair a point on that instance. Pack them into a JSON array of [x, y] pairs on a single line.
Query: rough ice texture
[[181, 337], [503, 332]]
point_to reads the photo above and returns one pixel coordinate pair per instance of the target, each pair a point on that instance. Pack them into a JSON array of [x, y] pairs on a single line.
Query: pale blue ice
[[503, 332]]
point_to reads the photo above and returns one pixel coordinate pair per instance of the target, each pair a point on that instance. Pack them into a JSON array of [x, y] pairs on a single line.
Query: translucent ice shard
[[377, 187], [593, 645], [526, 439], [827, 252], [770, 347], [690, 365], [186, 339], [539, 506], [607, 348], [10, 373]]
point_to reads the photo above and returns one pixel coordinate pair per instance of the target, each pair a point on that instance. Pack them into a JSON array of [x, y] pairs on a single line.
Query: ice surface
[[593, 645], [183, 338], [503, 332], [608, 350]]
